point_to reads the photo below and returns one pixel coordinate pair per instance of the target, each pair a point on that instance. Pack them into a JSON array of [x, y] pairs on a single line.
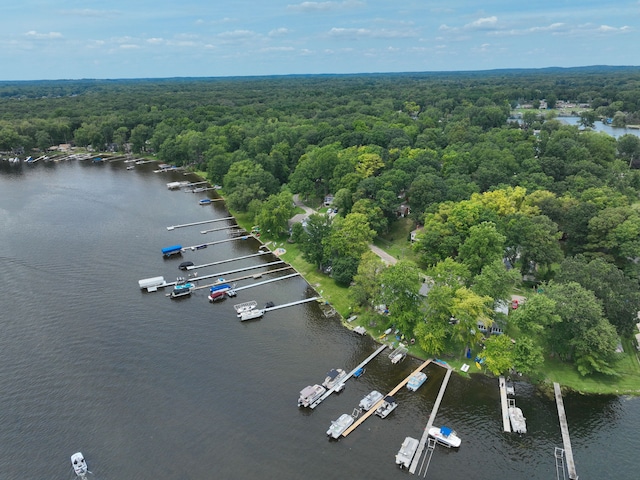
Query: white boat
[[79, 464], [407, 451], [370, 400], [416, 380], [445, 436], [182, 290], [334, 377], [251, 314], [518, 422], [245, 307], [340, 425], [310, 394], [388, 406]]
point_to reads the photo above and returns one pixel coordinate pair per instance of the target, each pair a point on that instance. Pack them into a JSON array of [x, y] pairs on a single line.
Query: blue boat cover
[[174, 248], [446, 431], [222, 286]]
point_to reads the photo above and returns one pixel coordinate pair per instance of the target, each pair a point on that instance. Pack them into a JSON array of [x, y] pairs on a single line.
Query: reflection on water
[[147, 387]]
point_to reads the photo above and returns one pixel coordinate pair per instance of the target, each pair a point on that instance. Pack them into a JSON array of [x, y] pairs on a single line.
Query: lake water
[[152, 388], [598, 126]]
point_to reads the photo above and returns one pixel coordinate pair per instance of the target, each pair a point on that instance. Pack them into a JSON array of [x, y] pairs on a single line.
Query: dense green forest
[[501, 203]]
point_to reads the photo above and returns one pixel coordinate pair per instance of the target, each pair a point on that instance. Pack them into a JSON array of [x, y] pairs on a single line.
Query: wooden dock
[[372, 410], [349, 375], [244, 277], [432, 417], [219, 262], [290, 304], [173, 227], [205, 245], [566, 440], [506, 424], [284, 277], [228, 227]]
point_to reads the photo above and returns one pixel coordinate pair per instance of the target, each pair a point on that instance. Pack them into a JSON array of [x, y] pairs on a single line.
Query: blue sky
[[54, 39]]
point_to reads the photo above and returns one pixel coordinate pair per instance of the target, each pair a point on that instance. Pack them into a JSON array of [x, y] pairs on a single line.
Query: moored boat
[[205, 201], [251, 314], [79, 464], [388, 406], [370, 400], [416, 380], [333, 378], [445, 436], [406, 452], [340, 425], [516, 417], [310, 394], [182, 290]]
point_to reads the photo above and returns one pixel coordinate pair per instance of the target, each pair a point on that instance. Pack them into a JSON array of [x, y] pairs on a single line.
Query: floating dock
[[432, 417], [205, 245], [372, 410], [566, 440], [349, 375], [173, 227], [506, 424], [195, 267]]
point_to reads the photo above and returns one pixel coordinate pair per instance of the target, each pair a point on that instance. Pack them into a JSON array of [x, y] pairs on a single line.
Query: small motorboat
[[370, 400], [205, 201], [340, 425], [185, 265], [310, 394], [333, 378], [445, 436], [416, 380], [407, 451], [388, 406], [79, 464]]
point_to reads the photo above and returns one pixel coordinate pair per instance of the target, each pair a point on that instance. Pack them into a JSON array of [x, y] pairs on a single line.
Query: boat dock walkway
[[349, 375], [228, 272], [432, 417], [228, 227], [284, 277], [372, 410], [506, 425], [244, 277], [566, 440], [195, 267], [290, 304], [205, 245], [173, 227]]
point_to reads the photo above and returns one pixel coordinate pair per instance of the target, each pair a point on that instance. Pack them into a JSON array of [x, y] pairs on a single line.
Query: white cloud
[[368, 33], [43, 36], [129, 46], [278, 32], [155, 41], [482, 23], [306, 7]]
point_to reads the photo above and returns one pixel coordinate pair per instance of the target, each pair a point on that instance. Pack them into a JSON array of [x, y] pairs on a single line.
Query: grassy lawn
[[396, 242]]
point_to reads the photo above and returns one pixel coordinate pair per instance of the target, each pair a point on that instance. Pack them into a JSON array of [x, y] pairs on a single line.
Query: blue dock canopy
[[168, 251]]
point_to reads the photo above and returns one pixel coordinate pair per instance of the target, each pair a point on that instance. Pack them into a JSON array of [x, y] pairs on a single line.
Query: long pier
[[566, 440], [205, 245], [349, 375], [284, 277], [506, 425], [432, 417], [244, 277], [290, 304], [372, 410], [173, 227], [228, 227], [228, 272], [194, 267]]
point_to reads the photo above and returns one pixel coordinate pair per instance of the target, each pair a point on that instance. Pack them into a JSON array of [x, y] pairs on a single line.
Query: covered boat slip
[[370, 412]]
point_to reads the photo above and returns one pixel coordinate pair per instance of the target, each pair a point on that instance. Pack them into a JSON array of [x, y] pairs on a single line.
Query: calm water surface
[[150, 388]]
